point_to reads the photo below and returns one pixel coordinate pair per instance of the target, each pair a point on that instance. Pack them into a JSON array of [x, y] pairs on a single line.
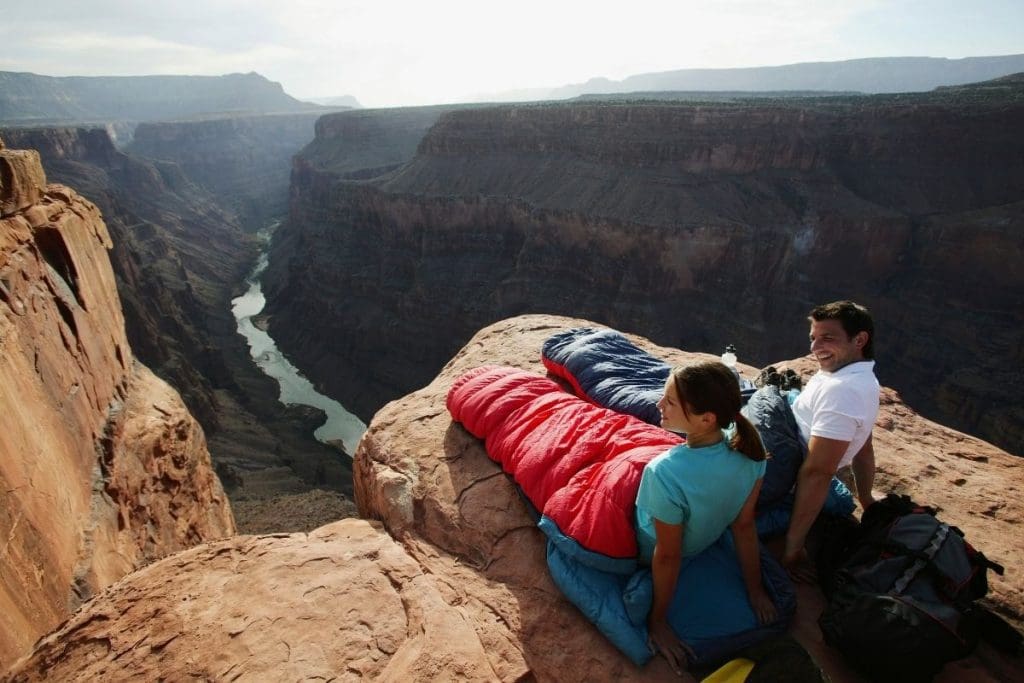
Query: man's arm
[[863, 467], [812, 484]]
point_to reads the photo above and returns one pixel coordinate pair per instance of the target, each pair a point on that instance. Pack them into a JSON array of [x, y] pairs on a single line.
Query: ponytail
[[746, 440], [711, 387]]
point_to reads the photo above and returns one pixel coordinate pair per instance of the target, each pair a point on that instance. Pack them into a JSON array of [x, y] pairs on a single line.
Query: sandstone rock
[[345, 602], [159, 486], [102, 467], [430, 481], [22, 180], [367, 143], [244, 161], [458, 588]]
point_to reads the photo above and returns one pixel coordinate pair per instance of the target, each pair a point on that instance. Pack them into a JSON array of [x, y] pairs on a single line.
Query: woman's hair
[[712, 388]]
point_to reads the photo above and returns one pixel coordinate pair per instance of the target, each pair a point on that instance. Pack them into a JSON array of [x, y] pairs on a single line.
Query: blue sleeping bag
[[709, 611], [609, 370]]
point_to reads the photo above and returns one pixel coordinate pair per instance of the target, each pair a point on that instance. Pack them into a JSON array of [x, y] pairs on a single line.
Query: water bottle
[[729, 360]]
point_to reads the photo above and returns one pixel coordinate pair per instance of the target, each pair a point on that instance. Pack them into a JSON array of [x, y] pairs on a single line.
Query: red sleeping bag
[[579, 464]]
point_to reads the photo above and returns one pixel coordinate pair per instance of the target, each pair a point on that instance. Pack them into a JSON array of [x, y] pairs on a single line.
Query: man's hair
[[853, 317]]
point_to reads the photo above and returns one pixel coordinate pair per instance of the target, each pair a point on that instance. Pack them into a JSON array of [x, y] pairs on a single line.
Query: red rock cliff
[[103, 468]]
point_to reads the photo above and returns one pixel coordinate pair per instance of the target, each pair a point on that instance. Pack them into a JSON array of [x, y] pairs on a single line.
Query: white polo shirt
[[840, 405]]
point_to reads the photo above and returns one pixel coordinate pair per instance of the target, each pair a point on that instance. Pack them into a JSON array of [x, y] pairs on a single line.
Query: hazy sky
[[389, 52]]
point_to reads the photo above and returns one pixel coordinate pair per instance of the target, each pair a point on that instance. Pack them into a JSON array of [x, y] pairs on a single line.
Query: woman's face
[[673, 417]]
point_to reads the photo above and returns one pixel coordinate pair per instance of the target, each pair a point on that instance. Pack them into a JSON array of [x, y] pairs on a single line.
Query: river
[[341, 425]]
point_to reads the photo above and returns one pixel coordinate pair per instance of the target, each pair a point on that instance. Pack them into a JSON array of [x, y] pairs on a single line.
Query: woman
[[691, 493]]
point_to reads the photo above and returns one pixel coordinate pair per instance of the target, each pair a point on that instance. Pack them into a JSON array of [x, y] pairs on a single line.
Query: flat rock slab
[[345, 602]]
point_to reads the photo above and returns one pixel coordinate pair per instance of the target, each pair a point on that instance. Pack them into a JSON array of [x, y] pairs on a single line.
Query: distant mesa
[[336, 101], [28, 99], [870, 76]]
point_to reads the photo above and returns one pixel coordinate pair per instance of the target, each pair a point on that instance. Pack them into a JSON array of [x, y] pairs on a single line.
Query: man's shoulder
[[859, 373], [849, 381]]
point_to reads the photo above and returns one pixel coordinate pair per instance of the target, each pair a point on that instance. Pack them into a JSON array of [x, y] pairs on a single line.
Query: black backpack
[[901, 603]]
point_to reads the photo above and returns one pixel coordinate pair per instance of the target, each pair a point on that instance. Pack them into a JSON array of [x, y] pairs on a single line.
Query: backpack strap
[[984, 561], [937, 539]]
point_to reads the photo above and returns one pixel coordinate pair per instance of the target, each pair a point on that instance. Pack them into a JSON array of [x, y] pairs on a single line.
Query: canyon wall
[[693, 225], [103, 469], [30, 99], [244, 162], [370, 142], [176, 256], [179, 258]]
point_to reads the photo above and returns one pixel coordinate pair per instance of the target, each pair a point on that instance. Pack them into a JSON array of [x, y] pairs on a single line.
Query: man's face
[[831, 346]]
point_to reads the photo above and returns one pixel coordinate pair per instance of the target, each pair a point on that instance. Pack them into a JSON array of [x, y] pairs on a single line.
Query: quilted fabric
[[578, 464]]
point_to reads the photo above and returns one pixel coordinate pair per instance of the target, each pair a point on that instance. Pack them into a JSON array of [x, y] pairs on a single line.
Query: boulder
[[22, 180], [345, 601], [427, 479]]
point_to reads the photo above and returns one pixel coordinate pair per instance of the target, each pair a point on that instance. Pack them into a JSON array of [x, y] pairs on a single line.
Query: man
[[835, 412]]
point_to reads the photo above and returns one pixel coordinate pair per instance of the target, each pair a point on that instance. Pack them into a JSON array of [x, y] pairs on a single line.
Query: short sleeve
[[660, 498], [834, 425]]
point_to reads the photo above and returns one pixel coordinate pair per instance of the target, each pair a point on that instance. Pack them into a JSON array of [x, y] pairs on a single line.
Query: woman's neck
[[712, 436]]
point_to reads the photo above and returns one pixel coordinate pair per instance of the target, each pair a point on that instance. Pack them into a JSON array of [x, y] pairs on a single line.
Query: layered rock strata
[[175, 254], [103, 468], [452, 583], [244, 162], [370, 142], [698, 225], [31, 99], [179, 258]]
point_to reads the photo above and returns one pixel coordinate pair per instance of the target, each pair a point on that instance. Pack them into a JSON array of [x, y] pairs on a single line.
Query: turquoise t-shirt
[[702, 488]]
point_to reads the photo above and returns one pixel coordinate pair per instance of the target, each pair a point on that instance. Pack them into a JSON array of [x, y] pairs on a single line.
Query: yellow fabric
[[733, 671]]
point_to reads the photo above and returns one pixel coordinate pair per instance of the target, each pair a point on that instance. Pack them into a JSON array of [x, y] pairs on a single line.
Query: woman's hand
[[798, 563], [662, 640], [764, 608]]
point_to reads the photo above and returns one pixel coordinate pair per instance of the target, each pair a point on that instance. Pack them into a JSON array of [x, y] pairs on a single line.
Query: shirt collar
[[854, 368]]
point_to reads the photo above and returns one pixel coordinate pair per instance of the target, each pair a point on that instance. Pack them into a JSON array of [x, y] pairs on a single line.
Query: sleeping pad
[[608, 370], [579, 465]]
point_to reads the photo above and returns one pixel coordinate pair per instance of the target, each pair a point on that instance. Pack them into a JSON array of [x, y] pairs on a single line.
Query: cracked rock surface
[[343, 603]]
